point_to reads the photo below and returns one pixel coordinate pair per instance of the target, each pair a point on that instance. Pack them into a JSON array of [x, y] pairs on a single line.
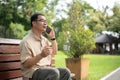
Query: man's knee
[[67, 71], [56, 72], [64, 71], [48, 73]]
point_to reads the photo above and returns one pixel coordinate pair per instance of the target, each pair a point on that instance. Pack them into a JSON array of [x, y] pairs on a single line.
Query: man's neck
[[37, 33]]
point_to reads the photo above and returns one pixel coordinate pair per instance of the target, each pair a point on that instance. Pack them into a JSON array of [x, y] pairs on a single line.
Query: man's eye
[[42, 20]]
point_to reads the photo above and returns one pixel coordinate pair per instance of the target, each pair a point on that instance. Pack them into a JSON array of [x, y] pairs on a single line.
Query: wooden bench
[[10, 60]]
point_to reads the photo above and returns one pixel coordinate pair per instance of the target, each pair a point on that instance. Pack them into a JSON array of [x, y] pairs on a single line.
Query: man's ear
[[33, 22]]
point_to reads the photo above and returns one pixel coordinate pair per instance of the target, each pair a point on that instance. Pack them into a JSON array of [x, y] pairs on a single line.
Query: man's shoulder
[[26, 38]]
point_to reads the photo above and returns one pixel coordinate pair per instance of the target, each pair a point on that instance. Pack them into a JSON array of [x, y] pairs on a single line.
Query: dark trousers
[[48, 73]]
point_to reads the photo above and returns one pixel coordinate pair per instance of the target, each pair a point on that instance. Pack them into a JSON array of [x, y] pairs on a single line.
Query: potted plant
[[78, 41]]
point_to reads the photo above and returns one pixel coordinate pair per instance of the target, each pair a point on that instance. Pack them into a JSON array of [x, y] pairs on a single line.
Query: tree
[[78, 39], [16, 31], [115, 20], [84, 9], [97, 21], [19, 11]]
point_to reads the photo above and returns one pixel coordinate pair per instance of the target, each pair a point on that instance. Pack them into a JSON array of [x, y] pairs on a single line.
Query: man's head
[[34, 17], [38, 21]]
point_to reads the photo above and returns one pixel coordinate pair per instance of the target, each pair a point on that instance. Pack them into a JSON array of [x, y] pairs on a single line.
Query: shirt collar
[[35, 36]]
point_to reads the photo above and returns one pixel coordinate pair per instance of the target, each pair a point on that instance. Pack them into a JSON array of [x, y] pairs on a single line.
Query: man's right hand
[[46, 51]]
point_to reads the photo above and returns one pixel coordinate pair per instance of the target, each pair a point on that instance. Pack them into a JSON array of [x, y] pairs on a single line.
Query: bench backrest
[[10, 66], [9, 59]]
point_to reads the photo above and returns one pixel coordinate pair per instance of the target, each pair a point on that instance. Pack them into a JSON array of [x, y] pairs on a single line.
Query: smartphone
[[48, 29]]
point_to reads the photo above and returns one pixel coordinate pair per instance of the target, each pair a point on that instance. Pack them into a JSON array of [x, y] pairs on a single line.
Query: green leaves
[[78, 39], [18, 12], [16, 31], [81, 41], [115, 20]]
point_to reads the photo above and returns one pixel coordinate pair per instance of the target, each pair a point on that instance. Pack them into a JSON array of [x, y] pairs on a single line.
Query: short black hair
[[34, 17]]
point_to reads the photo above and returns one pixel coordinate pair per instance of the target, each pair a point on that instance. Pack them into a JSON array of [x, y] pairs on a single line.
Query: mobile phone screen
[[48, 29]]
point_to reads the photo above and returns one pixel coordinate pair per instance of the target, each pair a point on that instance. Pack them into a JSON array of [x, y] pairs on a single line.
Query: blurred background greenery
[[17, 13]]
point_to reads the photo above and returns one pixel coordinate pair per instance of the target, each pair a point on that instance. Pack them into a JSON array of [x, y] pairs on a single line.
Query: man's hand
[[46, 51], [51, 34]]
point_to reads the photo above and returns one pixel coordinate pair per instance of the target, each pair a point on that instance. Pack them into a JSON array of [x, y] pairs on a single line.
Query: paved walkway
[[115, 75]]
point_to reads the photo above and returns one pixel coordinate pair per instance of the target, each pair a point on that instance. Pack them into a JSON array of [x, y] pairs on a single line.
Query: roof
[[105, 38]]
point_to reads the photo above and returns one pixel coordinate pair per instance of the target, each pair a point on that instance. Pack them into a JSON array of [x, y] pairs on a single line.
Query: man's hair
[[34, 17]]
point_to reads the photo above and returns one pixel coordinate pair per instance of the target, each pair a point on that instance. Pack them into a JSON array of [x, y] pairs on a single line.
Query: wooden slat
[[10, 74], [9, 48], [9, 41], [9, 66], [9, 57]]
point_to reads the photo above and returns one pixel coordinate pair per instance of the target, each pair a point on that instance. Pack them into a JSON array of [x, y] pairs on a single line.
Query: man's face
[[40, 24]]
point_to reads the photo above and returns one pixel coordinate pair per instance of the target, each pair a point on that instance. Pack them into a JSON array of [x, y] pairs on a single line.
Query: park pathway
[[114, 75]]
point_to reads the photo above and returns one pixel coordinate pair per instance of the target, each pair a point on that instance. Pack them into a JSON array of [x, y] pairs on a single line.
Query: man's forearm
[[32, 61], [54, 46]]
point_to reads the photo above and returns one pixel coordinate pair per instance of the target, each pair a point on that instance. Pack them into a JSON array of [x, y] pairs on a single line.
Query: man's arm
[[53, 41], [54, 46], [32, 61]]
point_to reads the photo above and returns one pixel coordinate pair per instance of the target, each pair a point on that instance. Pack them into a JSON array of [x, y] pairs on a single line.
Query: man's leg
[[46, 73], [64, 74]]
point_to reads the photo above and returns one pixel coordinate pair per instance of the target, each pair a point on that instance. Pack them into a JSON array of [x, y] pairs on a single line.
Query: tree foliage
[[78, 40], [115, 20], [83, 10], [101, 21], [19, 11], [97, 21], [16, 31]]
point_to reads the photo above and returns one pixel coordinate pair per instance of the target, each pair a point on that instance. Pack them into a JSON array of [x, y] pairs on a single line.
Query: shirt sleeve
[[25, 51]]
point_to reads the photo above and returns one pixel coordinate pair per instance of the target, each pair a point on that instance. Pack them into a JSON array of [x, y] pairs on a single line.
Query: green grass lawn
[[100, 65]]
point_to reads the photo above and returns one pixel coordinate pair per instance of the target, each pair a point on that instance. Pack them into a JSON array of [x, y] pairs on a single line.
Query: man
[[36, 52]]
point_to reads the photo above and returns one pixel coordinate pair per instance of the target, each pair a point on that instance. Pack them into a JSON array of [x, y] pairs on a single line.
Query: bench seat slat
[[9, 66], [10, 74], [9, 57], [9, 48]]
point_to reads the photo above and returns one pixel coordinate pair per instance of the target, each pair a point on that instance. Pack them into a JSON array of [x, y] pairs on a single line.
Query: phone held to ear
[[48, 29]]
